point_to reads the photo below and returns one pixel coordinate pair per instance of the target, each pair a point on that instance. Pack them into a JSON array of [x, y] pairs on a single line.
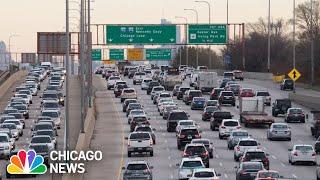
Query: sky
[[27, 17]]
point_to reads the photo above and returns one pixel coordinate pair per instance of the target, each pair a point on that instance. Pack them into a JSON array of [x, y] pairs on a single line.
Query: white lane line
[[299, 141], [283, 165], [217, 156], [163, 134], [171, 176], [226, 176], [274, 157], [166, 141], [220, 164], [170, 165], [294, 176], [169, 157]]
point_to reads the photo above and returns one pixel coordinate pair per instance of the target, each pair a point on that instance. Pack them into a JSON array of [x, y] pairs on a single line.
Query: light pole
[[269, 36], [209, 6], [312, 42], [294, 40], [66, 122], [197, 21], [187, 54], [9, 48]]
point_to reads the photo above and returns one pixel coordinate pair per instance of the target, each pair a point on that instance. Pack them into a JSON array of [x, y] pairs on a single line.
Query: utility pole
[[82, 64], [187, 52], [197, 21], [294, 40], [66, 121], [269, 37], [312, 43], [89, 45]]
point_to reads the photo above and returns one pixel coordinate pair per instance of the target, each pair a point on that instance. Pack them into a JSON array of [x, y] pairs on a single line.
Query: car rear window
[[189, 131], [295, 111], [140, 136], [190, 164], [252, 166], [140, 119], [228, 74], [269, 175], [136, 167], [178, 116], [40, 140], [184, 89], [195, 93], [128, 91], [280, 126], [204, 174], [263, 94], [255, 155], [222, 114], [240, 134], [304, 148], [231, 123], [195, 149], [54, 96], [227, 94], [248, 143], [140, 74], [145, 129]]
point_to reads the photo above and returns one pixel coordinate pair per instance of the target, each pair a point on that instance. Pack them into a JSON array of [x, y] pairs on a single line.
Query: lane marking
[[283, 165], [217, 156], [220, 164], [274, 157], [226, 176], [294, 176]]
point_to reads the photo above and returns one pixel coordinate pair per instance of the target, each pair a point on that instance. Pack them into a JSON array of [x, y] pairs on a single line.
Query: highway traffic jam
[[204, 118], [33, 116]]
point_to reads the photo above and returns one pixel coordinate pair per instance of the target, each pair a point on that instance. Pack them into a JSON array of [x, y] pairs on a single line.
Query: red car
[[246, 92]]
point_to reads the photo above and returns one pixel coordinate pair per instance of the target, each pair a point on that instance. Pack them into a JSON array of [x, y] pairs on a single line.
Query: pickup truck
[[140, 142], [252, 111]]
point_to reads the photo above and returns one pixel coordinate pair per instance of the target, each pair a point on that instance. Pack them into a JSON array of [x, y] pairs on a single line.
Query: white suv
[[5, 145], [302, 153], [128, 93], [144, 84], [112, 81], [243, 145], [140, 142], [187, 166], [227, 126], [138, 77]]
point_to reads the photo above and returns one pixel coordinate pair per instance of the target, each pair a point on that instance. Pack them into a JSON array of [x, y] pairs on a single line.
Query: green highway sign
[[140, 34], [96, 55], [116, 54], [158, 54], [207, 34]]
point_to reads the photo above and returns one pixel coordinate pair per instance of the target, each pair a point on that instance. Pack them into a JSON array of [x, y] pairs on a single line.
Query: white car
[[17, 123], [302, 153], [43, 139], [136, 112], [139, 142], [204, 174], [155, 89], [128, 93], [111, 81], [144, 84], [228, 125], [138, 77], [266, 97], [165, 103], [187, 166], [243, 145], [25, 97], [184, 123], [5, 145], [54, 115]]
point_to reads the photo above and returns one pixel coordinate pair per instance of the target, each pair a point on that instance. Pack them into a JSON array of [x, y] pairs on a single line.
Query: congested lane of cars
[[33, 115], [166, 157]]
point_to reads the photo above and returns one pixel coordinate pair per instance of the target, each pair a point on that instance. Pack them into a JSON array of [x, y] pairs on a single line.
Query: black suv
[[126, 103], [280, 106], [197, 150], [151, 85], [186, 134], [174, 117], [217, 118], [287, 84], [227, 97], [181, 92]]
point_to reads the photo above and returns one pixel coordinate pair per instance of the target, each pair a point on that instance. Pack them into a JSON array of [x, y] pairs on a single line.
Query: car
[[238, 75], [217, 118], [55, 116], [151, 85], [197, 150], [137, 170], [175, 89], [204, 173], [160, 95], [279, 131], [223, 83], [13, 129], [246, 92], [5, 145], [10, 110], [187, 165], [207, 143], [43, 126], [144, 83], [242, 146], [18, 116], [208, 112], [302, 153], [138, 77], [190, 94], [266, 95], [127, 102], [268, 175], [174, 117], [167, 110], [140, 142], [185, 123], [227, 97], [49, 133], [235, 88], [135, 113], [162, 105], [280, 106], [138, 120], [214, 95], [212, 103], [186, 134], [235, 136], [42, 150], [128, 93], [17, 123], [118, 89], [49, 95], [198, 103], [156, 89], [181, 92], [50, 105], [248, 170], [146, 128], [229, 75], [6, 117], [228, 125], [133, 106], [43, 139], [256, 155], [295, 115], [287, 84]]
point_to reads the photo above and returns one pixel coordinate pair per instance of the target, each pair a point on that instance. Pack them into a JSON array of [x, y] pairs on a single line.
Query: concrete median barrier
[[11, 80], [248, 75], [312, 102]]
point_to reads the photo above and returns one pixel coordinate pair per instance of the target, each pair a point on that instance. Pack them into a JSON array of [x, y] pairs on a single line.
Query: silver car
[[235, 136], [279, 131], [137, 170]]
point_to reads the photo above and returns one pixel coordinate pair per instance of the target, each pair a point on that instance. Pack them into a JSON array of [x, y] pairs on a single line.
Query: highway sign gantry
[[116, 54], [207, 34], [158, 54], [96, 55], [140, 34], [135, 54], [294, 74]]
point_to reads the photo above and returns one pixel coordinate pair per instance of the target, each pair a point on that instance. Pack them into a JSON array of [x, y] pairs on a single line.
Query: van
[[46, 64], [228, 75]]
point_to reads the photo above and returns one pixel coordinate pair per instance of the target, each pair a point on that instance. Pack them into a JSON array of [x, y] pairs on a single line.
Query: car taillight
[[313, 154], [128, 143], [182, 136], [243, 172], [198, 136], [265, 160], [223, 127], [237, 148], [205, 153], [146, 171], [238, 127], [295, 153]]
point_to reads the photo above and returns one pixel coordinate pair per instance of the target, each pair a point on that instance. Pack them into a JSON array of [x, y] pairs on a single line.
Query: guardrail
[[4, 76]]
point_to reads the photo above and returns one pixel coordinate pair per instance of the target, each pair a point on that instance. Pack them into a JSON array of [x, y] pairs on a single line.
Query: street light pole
[[9, 48], [312, 43], [82, 68], [66, 122], [187, 52], [197, 21], [294, 40], [269, 36], [209, 50], [89, 45]]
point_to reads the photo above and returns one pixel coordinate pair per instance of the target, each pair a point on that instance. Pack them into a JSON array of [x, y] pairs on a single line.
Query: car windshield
[[204, 174], [252, 166], [255, 155], [140, 136], [135, 106], [130, 101], [280, 126], [231, 123], [195, 149], [269, 175], [147, 80], [8, 111], [22, 95], [52, 87], [184, 89], [295, 111], [9, 126], [226, 74], [19, 107], [212, 103], [240, 134], [248, 143], [3, 139], [50, 114], [304, 148], [263, 94], [178, 116], [137, 167], [191, 164], [14, 122], [40, 140], [17, 115]]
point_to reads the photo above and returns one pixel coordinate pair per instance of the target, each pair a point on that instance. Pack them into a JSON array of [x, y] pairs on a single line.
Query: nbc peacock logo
[[26, 163]]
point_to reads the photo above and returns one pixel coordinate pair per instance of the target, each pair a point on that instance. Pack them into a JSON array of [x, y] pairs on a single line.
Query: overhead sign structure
[[96, 55], [52, 43], [108, 62], [135, 54], [207, 34], [158, 54], [140, 34], [116, 54], [28, 58], [294, 74]]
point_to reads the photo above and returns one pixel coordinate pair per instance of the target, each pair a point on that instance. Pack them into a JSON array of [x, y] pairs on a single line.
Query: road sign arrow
[[151, 40], [294, 74], [130, 39], [110, 40], [171, 39]]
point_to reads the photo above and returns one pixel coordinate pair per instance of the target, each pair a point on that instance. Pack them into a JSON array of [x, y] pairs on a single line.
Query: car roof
[[204, 170], [194, 144], [228, 120], [254, 150], [138, 162], [191, 159], [189, 127]]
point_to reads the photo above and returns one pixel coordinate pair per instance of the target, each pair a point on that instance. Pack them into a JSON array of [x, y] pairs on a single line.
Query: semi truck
[[206, 81], [252, 111], [170, 78]]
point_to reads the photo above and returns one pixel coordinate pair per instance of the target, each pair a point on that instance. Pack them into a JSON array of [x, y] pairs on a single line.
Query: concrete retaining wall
[[311, 102], [11, 80]]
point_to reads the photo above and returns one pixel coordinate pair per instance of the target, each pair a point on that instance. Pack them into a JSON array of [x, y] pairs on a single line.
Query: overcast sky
[[26, 17]]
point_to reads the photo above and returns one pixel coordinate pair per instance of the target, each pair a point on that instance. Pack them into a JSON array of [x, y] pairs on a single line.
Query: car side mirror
[[289, 149], [218, 174], [154, 129], [123, 168], [126, 138], [267, 154], [178, 165]]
